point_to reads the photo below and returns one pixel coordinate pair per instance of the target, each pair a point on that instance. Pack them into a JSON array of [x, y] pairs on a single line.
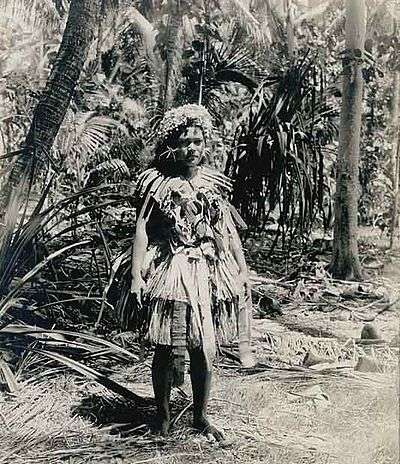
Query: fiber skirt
[[208, 287]]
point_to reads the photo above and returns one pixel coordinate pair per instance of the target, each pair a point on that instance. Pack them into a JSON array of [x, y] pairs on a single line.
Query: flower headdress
[[185, 115]]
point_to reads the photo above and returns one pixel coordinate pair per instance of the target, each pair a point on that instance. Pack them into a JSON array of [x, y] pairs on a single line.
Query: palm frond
[[91, 342], [18, 264], [213, 64], [29, 275], [115, 169], [92, 374], [121, 260], [7, 377], [92, 132]]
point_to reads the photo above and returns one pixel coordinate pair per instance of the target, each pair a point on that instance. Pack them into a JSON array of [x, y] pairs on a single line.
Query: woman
[[189, 274]]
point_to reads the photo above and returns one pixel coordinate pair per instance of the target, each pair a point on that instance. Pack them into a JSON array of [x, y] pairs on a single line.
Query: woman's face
[[190, 148]]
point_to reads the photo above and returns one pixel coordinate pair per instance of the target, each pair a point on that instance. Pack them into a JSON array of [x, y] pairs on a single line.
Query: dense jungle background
[[305, 99]]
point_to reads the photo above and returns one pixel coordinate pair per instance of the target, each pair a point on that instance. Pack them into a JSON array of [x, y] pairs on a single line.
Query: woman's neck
[[188, 172], [179, 170]]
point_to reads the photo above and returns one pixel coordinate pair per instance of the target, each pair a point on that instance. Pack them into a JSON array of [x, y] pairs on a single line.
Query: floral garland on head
[[185, 116]]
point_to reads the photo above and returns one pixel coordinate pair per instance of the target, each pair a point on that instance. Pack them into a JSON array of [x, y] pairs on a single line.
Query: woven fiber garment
[[190, 261]]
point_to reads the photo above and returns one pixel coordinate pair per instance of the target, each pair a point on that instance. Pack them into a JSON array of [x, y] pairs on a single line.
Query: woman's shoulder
[[147, 177], [148, 182], [217, 179], [152, 182]]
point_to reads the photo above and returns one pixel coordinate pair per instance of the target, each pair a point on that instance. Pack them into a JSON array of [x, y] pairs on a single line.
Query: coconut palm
[[53, 104], [346, 262]]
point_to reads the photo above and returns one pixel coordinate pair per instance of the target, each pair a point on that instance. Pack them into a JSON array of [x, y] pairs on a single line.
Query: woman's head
[[190, 147], [182, 137]]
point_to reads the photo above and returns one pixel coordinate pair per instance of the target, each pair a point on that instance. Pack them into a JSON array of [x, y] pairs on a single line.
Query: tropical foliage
[[279, 162], [269, 76]]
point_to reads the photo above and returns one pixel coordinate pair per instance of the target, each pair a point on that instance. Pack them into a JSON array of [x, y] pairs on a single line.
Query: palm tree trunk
[[100, 33], [394, 223], [290, 30], [395, 162], [174, 28], [345, 262], [56, 97]]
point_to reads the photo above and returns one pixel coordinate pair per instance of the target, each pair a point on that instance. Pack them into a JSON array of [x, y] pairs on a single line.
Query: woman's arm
[[139, 248], [237, 252], [245, 309]]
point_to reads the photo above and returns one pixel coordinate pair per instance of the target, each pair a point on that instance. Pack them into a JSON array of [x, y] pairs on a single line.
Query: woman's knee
[[162, 351], [198, 358]]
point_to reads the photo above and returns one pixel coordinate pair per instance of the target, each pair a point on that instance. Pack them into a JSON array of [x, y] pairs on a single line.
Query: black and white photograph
[[199, 231]]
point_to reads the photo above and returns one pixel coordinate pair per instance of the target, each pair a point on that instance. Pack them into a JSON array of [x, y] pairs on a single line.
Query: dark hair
[[164, 159]]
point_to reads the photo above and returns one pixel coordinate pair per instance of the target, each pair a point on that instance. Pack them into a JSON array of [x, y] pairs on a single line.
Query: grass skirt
[[209, 289]]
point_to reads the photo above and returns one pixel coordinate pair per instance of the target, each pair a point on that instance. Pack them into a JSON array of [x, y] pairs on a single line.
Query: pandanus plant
[[278, 160]]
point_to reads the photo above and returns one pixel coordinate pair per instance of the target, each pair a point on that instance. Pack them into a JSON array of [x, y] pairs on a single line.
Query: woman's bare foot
[[203, 426], [162, 426]]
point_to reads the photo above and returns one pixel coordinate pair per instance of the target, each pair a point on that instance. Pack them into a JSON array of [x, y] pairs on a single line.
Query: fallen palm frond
[[94, 375], [4, 303], [61, 345], [281, 422], [317, 291], [7, 378], [46, 335], [38, 427]]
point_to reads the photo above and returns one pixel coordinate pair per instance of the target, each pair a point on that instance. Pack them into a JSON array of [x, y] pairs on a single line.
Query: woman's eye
[[187, 143]]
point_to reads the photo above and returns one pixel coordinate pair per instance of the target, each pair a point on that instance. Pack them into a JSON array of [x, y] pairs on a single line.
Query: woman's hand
[[244, 281], [137, 287]]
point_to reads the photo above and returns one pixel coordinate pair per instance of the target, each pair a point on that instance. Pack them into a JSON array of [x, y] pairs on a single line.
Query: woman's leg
[[200, 375], [162, 383], [168, 367]]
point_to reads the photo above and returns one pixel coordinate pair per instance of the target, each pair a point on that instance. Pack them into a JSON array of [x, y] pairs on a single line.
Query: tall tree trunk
[[171, 71], [395, 162], [345, 261], [56, 97], [100, 34], [290, 30], [394, 224]]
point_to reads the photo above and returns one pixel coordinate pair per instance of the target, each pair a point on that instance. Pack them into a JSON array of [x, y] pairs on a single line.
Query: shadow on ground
[[118, 414], [122, 416]]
